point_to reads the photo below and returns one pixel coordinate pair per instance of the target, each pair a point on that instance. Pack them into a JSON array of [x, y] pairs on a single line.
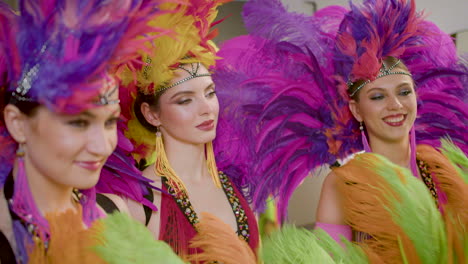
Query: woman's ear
[[15, 122], [354, 108], [150, 115]]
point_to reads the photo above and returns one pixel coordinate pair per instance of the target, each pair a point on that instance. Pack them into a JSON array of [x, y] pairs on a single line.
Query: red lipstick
[[206, 126], [89, 165]]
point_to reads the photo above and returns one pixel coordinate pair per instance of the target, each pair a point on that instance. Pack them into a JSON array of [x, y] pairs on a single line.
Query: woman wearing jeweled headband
[[60, 106], [304, 84], [172, 112], [404, 89]]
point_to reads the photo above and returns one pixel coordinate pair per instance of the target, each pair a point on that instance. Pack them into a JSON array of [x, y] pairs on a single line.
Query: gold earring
[[20, 151], [211, 162], [162, 167]]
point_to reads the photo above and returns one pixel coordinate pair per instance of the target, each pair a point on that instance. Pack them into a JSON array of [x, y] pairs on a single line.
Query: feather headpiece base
[[384, 71]]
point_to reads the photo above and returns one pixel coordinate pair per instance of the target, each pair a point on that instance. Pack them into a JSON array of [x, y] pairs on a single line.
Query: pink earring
[[365, 143]]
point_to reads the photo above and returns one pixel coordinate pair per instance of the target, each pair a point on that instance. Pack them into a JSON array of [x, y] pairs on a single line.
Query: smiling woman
[[360, 200], [78, 143], [387, 106]]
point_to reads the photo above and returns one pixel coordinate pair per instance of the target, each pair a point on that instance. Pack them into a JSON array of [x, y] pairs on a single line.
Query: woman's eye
[[211, 94], [184, 102], [405, 92], [80, 123], [377, 97], [112, 122]]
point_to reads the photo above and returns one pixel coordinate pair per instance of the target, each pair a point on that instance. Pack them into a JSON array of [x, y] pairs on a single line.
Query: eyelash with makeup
[[80, 123], [406, 92], [377, 97], [211, 93], [183, 101], [113, 121]]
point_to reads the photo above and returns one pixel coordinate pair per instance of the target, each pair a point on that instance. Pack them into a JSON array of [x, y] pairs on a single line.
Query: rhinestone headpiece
[[27, 78], [104, 98], [384, 71], [193, 74], [25, 84]]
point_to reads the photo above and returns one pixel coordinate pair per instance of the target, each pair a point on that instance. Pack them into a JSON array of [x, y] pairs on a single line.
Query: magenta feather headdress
[[60, 53], [283, 88], [59, 48], [270, 128], [378, 29]]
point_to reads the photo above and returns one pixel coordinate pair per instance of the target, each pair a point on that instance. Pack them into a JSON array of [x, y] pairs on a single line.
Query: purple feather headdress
[[270, 128], [283, 89], [377, 29], [62, 50]]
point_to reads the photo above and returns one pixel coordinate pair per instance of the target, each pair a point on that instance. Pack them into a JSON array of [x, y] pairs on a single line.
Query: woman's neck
[[48, 196], [187, 160], [397, 152]]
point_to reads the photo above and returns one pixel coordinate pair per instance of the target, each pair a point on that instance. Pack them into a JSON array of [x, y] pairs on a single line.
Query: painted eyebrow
[[88, 114], [91, 115], [379, 88], [117, 110], [181, 92], [212, 85], [191, 92]]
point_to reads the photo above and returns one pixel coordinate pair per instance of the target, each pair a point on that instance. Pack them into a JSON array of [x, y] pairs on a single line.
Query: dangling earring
[[21, 172], [211, 162], [23, 203], [162, 167], [365, 143]]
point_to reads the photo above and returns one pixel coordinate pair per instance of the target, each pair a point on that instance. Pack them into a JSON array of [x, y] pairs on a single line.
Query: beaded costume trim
[[183, 201], [427, 179]]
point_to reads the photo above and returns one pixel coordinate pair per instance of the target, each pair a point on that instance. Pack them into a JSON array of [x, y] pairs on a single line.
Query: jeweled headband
[[26, 80], [384, 71], [193, 72]]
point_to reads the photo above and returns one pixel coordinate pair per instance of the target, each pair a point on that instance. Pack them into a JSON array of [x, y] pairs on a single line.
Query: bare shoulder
[[154, 218], [331, 179], [329, 209]]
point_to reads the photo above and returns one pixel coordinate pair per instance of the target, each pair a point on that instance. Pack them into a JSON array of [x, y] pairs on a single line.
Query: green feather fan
[[124, 241], [300, 246], [350, 253], [414, 210]]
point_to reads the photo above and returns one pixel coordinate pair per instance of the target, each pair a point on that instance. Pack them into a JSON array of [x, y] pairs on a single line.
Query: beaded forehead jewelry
[[104, 98], [384, 71], [193, 72]]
